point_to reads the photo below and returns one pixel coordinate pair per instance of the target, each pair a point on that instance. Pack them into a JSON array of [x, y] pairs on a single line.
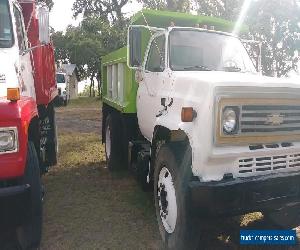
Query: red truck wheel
[[29, 235], [52, 149]]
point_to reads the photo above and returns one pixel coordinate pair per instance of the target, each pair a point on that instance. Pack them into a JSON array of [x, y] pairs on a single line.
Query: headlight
[[8, 140], [230, 120]]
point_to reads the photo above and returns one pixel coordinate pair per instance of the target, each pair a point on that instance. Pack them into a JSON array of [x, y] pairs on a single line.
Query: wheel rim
[[107, 142], [167, 200]]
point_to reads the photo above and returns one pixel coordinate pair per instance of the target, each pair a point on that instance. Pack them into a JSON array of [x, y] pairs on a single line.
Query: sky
[[61, 14]]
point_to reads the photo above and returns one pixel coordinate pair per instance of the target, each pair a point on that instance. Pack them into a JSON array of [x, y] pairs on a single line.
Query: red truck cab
[[28, 139]]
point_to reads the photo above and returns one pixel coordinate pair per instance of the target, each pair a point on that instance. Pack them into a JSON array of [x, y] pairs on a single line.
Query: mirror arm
[[24, 52]]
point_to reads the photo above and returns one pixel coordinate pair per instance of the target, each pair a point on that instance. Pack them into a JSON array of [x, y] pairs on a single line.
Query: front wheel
[[171, 177], [29, 234]]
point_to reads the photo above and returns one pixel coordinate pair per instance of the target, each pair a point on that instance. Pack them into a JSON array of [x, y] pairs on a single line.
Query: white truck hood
[[232, 79], [8, 66]]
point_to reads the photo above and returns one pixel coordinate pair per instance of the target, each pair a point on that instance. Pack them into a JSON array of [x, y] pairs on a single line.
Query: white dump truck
[[186, 109], [63, 88]]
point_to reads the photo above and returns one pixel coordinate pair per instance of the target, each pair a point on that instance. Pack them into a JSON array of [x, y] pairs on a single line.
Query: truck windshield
[[205, 51], [60, 78], [6, 37]]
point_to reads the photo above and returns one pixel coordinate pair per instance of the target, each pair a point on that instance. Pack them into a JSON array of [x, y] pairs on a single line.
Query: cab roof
[[163, 19]]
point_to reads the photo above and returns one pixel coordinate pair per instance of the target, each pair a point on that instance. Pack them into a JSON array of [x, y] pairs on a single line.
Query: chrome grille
[[268, 164], [262, 119]]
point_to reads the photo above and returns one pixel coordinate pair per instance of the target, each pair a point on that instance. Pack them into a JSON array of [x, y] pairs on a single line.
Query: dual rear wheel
[[116, 144]]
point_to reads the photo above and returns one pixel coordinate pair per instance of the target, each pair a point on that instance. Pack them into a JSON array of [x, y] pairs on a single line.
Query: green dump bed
[[118, 81]]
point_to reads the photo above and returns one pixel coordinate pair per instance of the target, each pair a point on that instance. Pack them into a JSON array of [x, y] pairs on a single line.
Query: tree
[[110, 10], [276, 24], [227, 9], [110, 37], [48, 2], [273, 22], [172, 5], [81, 48], [86, 44], [60, 41]]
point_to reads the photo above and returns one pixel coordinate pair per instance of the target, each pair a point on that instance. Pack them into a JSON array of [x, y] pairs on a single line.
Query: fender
[[16, 114], [172, 121], [178, 129]]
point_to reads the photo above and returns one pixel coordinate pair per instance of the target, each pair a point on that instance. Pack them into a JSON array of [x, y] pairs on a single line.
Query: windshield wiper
[[197, 67], [232, 69]]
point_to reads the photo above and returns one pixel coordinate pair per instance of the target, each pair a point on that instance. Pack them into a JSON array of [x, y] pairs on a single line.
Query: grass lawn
[[86, 207], [85, 102]]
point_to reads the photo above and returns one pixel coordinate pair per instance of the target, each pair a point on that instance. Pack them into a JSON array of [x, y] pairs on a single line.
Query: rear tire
[[51, 146], [142, 171], [172, 203], [115, 151], [29, 234]]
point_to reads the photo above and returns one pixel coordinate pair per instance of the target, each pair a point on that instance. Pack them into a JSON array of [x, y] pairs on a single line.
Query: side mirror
[[134, 57], [43, 19]]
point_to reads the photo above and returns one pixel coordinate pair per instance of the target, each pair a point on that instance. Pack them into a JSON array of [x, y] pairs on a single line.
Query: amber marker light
[[188, 114], [13, 94]]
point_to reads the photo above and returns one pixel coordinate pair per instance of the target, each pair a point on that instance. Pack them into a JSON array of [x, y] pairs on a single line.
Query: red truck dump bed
[[43, 57]]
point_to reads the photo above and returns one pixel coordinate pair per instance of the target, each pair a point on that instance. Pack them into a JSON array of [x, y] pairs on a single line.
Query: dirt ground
[[86, 207]]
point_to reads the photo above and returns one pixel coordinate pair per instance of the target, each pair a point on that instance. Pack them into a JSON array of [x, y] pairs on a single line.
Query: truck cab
[[28, 142], [13, 44], [63, 88], [199, 124], [173, 56]]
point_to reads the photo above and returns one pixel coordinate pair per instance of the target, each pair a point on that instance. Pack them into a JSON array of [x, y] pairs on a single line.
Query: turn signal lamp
[[13, 94], [188, 114]]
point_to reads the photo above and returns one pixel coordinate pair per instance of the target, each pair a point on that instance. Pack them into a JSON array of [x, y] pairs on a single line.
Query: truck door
[[25, 73], [149, 95]]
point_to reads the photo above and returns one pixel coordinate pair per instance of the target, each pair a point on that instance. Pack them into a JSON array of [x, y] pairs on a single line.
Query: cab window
[[6, 35], [60, 78], [156, 56]]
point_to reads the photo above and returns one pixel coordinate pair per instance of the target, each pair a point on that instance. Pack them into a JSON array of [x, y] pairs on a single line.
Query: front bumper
[[14, 204], [243, 195], [63, 97]]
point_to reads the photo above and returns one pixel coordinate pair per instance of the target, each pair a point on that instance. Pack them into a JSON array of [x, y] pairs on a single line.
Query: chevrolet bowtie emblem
[[274, 119]]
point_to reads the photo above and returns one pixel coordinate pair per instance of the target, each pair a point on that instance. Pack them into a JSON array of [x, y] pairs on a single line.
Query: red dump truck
[[28, 144]]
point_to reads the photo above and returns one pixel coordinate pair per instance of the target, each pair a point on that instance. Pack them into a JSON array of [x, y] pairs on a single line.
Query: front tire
[[172, 204], [30, 233]]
